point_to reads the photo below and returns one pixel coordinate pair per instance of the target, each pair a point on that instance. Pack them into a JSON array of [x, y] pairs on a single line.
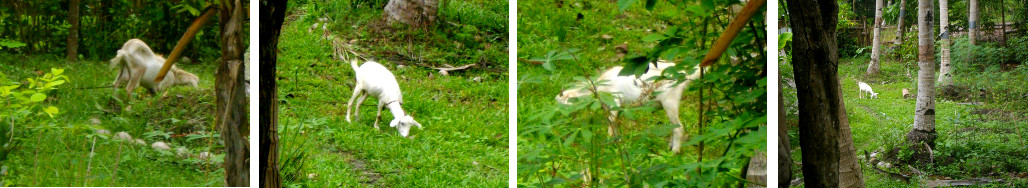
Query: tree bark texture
[[412, 12], [273, 14], [899, 25], [231, 96], [924, 108], [823, 125], [73, 32], [972, 22], [945, 72], [876, 42]]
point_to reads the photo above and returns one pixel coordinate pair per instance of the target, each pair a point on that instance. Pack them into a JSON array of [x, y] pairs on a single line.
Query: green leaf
[[624, 4], [51, 111], [37, 97], [784, 39], [654, 37], [636, 66]]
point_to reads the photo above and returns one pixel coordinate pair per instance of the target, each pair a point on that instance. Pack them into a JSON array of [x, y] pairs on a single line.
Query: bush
[[969, 58]]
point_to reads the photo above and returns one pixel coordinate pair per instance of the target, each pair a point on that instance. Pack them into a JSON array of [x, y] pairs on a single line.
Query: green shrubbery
[[23, 104]]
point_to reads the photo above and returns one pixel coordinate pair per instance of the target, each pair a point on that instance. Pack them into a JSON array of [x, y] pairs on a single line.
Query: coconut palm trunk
[[830, 160], [876, 42], [923, 133], [412, 12], [945, 72], [899, 25], [972, 22]]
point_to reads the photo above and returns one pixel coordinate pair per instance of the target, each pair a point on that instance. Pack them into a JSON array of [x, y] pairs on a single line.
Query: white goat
[[866, 88], [635, 90], [374, 79], [139, 66]]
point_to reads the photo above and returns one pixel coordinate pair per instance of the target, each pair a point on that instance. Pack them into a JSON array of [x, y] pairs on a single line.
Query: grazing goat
[[906, 93], [636, 90], [374, 79], [866, 88], [139, 66]]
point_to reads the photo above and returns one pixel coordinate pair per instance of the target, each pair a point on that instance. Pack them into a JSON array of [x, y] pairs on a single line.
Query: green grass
[[971, 144], [464, 140], [60, 157]]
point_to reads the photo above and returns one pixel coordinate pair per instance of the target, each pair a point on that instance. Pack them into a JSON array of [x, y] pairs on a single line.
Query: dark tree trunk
[[829, 160], [272, 14], [231, 96], [73, 32]]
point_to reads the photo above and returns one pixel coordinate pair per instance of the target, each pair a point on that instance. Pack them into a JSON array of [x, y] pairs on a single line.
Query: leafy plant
[[23, 105]]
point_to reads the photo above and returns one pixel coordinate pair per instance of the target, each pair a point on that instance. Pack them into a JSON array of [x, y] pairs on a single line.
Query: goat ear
[[418, 124], [394, 123]]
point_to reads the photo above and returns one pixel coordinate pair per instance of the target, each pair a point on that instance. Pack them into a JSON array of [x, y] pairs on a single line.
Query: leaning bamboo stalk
[[733, 30], [183, 42]]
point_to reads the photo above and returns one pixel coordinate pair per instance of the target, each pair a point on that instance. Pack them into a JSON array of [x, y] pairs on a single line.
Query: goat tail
[[118, 60]]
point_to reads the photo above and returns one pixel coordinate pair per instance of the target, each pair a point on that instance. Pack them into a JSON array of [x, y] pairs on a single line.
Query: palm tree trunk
[[412, 12], [899, 26], [924, 110], [876, 42], [945, 74], [823, 125], [972, 33], [231, 96]]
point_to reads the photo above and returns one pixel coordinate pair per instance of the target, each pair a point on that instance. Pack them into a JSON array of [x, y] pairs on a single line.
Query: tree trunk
[[784, 150], [412, 12], [273, 13], [1003, 20], [899, 25], [972, 22], [924, 110], [945, 73], [876, 42], [73, 32], [231, 96], [823, 125]]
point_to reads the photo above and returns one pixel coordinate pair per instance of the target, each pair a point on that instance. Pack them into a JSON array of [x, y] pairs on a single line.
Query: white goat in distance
[[139, 66], [636, 90], [866, 88]]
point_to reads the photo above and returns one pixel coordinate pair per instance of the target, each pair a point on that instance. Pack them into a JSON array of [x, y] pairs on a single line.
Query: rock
[[312, 176], [122, 136], [182, 152], [103, 131], [203, 156], [477, 79], [160, 146], [94, 121], [140, 142]]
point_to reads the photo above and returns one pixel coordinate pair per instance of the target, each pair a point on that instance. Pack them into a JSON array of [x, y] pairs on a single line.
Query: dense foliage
[[569, 145], [106, 25]]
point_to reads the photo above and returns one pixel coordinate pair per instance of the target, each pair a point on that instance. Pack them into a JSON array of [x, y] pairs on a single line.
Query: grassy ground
[[975, 141], [60, 157], [464, 140]]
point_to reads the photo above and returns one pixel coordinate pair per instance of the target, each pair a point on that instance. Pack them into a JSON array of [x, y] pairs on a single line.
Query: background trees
[[48, 27]]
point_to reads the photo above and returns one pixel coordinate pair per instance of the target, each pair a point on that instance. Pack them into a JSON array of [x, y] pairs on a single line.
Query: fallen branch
[[976, 181], [530, 61]]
